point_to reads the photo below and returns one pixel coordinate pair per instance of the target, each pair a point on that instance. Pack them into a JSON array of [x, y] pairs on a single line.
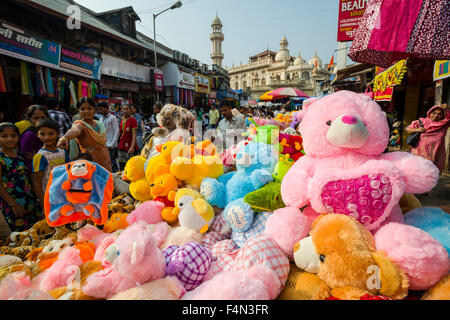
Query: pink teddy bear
[[345, 170], [131, 259]]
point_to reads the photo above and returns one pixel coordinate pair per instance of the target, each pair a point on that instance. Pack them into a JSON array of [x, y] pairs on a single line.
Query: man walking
[[112, 132], [59, 116], [213, 117]]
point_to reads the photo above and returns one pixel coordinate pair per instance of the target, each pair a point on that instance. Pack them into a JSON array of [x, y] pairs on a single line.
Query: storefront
[[122, 79], [202, 90], [34, 69], [179, 84]]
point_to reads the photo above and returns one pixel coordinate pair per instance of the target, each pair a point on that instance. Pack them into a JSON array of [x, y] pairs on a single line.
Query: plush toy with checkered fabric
[[189, 263]]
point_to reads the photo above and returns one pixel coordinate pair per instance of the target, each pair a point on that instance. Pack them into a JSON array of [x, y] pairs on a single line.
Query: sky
[[249, 26]]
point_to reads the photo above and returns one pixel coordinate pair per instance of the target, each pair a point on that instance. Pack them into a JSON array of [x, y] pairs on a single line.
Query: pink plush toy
[[17, 286], [134, 258], [345, 170], [422, 258], [149, 212], [62, 273], [92, 234], [255, 283]]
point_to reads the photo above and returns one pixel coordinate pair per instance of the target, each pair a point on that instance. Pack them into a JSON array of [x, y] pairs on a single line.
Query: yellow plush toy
[[192, 210], [193, 171], [134, 172], [160, 189], [160, 163]]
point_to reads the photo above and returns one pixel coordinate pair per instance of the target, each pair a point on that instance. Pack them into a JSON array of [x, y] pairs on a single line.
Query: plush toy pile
[[322, 216]]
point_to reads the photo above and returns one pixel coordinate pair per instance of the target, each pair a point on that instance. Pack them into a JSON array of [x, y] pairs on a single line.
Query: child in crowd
[[48, 157], [17, 201], [29, 141]]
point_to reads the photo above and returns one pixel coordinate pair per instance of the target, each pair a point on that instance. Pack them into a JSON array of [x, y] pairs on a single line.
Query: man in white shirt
[[231, 127], [112, 132]]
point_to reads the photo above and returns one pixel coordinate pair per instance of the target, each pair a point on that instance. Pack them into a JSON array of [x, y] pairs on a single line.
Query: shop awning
[[384, 83], [352, 71]]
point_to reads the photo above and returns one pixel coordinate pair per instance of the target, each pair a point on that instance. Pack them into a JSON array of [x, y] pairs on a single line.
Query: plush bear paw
[[213, 192], [239, 215]]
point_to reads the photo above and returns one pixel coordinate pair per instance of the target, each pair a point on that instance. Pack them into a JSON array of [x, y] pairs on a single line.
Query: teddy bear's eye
[[328, 123], [322, 258]]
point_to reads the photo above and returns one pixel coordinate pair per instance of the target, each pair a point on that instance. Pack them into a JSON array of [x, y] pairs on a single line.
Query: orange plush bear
[[342, 253]]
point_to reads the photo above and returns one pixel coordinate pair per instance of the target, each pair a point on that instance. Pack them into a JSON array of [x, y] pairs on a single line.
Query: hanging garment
[[50, 88], [3, 87], [73, 95], [27, 87], [94, 89], [40, 84], [61, 88], [84, 89], [6, 83]]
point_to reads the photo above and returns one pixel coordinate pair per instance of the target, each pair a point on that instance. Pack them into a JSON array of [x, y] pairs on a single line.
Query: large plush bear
[[345, 170], [254, 163]]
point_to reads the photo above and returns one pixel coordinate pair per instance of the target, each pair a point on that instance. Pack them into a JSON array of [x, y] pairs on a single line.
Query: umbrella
[[281, 93], [287, 92], [392, 30], [265, 96]]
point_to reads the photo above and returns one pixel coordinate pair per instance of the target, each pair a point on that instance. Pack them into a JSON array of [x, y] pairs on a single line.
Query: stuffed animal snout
[[347, 131], [305, 255]]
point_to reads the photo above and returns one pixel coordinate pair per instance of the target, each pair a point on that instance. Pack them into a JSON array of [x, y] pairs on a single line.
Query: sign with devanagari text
[[24, 45]]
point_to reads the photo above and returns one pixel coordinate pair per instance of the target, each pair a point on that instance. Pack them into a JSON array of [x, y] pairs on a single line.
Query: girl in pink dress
[[432, 140]]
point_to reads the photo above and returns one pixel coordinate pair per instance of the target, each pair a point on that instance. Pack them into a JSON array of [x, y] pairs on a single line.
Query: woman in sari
[[432, 138], [89, 133]]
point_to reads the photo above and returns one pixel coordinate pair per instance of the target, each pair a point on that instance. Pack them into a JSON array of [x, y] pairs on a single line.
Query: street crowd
[[47, 137]]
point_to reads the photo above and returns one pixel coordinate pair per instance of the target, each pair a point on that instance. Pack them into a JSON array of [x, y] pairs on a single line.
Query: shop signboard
[[18, 43], [159, 80], [186, 80], [350, 14], [384, 83], [441, 69], [80, 63], [118, 68], [202, 84]]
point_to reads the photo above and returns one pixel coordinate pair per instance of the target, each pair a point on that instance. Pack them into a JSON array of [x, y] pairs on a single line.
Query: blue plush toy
[[254, 166], [244, 223], [432, 220]]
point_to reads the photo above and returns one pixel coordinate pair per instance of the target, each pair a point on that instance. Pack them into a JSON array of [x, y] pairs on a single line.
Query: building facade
[[269, 70]]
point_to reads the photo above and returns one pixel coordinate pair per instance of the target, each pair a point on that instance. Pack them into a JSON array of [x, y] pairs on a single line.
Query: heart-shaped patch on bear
[[365, 198]]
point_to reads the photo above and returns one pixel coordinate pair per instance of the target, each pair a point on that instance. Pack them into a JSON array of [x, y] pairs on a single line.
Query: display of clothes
[[25, 77], [73, 95], [395, 129], [49, 82], [83, 89], [5, 85], [41, 91]]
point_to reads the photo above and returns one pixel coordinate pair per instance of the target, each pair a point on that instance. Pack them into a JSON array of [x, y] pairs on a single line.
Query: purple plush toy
[[189, 263]]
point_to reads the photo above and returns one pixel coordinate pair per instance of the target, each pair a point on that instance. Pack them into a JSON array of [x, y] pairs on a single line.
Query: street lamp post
[[174, 6]]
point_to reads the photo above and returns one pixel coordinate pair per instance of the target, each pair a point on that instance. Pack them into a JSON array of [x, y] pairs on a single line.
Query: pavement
[[439, 196]]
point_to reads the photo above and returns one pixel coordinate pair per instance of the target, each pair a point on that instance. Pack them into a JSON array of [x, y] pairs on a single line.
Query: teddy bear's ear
[[316, 220], [394, 282]]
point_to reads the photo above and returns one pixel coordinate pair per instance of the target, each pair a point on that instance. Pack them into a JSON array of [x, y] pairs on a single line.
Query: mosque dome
[[283, 54], [315, 59], [299, 60]]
